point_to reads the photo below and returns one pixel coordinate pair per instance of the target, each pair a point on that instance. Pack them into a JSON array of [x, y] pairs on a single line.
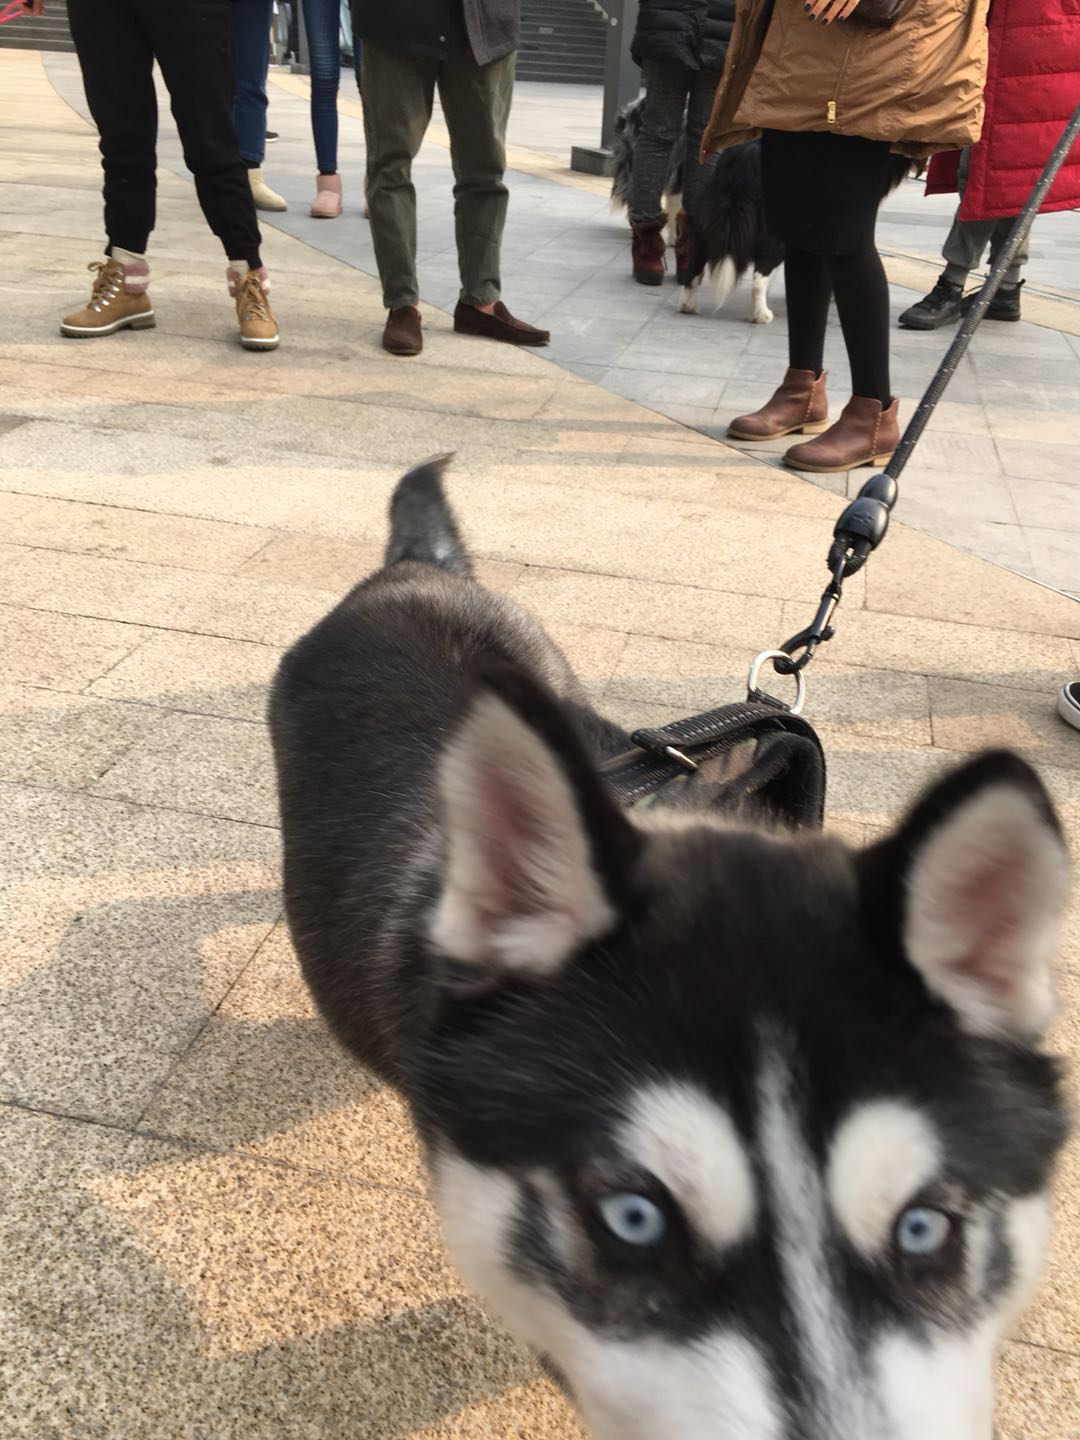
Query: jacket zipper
[[830, 106]]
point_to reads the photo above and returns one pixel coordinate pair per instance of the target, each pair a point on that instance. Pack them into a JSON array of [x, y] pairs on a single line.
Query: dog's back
[[358, 712]]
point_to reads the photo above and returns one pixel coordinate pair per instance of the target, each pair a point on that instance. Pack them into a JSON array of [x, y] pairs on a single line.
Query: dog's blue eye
[[633, 1219], [923, 1231]]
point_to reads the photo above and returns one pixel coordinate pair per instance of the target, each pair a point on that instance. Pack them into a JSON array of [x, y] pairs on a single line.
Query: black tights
[[862, 302]]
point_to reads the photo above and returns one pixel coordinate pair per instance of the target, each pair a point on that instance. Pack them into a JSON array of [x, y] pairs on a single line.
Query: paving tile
[[266, 1076], [124, 926], [676, 611], [916, 575], [940, 647], [51, 738], [1054, 427], [1037, 1392], [200, 763], [1036, 460], [169, 598], [196, 673], [167, 1285], [1056, 556], [1047, 504], [62, 652], [128, 534], [968, 716]]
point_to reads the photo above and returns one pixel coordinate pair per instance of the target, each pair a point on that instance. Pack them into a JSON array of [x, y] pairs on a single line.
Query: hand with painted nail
[[826, 10]]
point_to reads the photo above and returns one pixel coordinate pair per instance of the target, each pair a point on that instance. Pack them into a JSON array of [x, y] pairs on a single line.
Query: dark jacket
[[440, 28], [694, 33]]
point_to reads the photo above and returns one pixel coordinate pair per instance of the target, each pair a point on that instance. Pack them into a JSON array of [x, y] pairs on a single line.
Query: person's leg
[[800, 404], [322, 21], [193, 44], [862, 303], [117, 60], [398, 92], [967, 240], [476, 102], [808, 290], [703, 85], [251, 61], [666, 88]]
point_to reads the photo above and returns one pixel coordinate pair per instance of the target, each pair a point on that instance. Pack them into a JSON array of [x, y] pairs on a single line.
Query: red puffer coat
[[1032, 88]]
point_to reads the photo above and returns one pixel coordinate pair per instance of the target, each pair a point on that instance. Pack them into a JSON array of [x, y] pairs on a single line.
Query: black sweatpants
[[117, 43]]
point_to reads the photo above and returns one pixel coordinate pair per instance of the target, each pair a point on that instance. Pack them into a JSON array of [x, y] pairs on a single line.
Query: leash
[[677, 753]]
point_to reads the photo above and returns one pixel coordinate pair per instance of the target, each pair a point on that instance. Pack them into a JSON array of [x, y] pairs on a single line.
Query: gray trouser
[[669, 90], [966, 242], [398, 93]]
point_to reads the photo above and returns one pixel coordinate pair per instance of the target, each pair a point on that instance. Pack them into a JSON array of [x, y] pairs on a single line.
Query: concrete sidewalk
[[215, 1226]]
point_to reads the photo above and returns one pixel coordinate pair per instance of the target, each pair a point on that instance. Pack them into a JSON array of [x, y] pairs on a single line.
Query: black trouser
[[117, 42], [861, 290]]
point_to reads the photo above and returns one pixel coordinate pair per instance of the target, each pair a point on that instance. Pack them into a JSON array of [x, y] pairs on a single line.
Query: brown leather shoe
[[402, 334], [865, 434], [647, 252], [799, 405], [468, 320]]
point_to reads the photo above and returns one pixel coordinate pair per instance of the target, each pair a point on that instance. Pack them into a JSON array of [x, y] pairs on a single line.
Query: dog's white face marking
[[686, 1140], [717, 1388], [882, 1155], [801, 1221], [942, 1390]]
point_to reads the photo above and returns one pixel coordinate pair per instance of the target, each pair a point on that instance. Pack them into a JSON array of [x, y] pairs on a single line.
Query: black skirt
[[822, 190]]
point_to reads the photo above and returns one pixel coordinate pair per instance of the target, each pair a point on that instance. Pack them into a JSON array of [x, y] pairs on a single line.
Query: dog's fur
[[748, 1134], [628, 127]]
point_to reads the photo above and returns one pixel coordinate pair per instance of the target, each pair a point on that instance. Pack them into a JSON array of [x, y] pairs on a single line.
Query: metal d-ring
[[752, 692]]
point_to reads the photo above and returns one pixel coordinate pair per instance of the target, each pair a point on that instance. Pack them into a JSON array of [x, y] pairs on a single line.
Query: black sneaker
[[271, 136], [1004, 306], [941, 306]]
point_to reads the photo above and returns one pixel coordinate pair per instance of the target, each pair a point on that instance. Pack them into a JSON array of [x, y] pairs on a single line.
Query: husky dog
[[747, 1134]]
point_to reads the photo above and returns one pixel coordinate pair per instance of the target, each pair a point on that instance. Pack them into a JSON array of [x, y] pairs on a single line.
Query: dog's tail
[[422, 525]]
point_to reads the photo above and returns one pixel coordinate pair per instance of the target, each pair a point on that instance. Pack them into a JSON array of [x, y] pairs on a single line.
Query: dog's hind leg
[[422, 525], [688, 296], [760, 314]]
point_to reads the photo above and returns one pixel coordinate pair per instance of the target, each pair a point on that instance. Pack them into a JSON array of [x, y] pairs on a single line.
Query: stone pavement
[[998, 471], [215, 1226]]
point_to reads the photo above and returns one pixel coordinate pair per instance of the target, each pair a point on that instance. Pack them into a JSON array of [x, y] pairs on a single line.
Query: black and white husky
[[748, 1134]]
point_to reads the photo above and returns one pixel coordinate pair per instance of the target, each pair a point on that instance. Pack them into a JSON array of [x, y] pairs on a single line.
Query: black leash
[[785, 775]]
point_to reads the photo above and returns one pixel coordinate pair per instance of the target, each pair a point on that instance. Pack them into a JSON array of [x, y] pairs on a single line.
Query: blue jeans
[[251, 61], [322, 20]]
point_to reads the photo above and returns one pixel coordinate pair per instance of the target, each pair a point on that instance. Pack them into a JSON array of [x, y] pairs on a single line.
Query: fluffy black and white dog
[[628, 126], [748, 1134]]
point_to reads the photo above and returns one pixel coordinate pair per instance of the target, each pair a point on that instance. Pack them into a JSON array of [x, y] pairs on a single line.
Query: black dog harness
[[759, 755]]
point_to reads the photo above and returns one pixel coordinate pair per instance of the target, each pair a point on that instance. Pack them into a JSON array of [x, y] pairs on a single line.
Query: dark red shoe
[[647, 251]]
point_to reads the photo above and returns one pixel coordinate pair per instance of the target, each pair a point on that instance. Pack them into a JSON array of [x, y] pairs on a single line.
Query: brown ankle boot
[[684, 248], [800, 404], [865, 434], [647, 251]]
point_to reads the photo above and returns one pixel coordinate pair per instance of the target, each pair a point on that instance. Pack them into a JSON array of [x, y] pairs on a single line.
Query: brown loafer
[[866, 434], [402, 334], [468, 320]]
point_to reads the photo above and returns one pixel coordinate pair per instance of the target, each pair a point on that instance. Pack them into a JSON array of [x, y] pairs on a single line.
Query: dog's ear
[[974, 882], [537, 857]]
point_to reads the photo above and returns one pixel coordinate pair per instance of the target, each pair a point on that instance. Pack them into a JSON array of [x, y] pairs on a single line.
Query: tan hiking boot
[[118, 300], [264, 197], [250, 288]]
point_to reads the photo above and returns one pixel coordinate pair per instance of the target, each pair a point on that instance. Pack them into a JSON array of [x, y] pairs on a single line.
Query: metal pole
[[622, 83]]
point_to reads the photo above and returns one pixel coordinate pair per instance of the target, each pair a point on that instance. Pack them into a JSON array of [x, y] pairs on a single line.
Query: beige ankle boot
[[118, 300], [799, 404], [264, 197]]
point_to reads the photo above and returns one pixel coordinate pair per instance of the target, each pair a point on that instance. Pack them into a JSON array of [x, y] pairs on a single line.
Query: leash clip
[[753, 693]]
